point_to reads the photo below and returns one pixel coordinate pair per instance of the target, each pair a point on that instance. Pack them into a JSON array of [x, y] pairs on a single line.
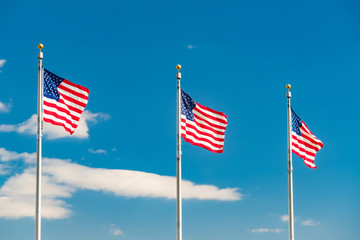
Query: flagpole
[[290, 167], [39, 148], [178, 160]]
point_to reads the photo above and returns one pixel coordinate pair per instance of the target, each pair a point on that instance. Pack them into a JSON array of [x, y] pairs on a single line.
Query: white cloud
[[17, 197], [54, 132], [284, 218], [2, 62], [99, 151], [265, 230], [6, 156], [95, 117], [132, 183], [62, 178], [114, 230], [310, 223], [5, 107], [190, 46]]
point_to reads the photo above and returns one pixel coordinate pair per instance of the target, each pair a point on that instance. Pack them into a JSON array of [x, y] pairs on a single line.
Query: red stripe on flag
[[208, 128], [203, 128], [72, 92], [61, 109], [217, 119], [202, 133], [66, 110], [71, 108], [312, 139], [77, 86], [211, 110], [73, 100], [57, 116], [305, 159], [58, 124], [306, 145], [303, 150], [208, 123], [201, 145], [310, 166], [188, 133]]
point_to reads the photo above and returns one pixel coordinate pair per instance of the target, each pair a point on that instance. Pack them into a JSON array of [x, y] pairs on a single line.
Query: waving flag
[[201, 125], [304, 143], [63, 101]]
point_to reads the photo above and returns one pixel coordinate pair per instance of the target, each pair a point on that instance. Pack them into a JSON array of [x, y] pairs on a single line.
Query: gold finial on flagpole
[[178, 74], [288, 93], [40, 54]]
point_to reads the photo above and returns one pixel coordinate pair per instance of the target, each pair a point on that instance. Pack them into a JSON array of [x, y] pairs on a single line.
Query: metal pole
[[38, 149], [178, 160], [290, 167]]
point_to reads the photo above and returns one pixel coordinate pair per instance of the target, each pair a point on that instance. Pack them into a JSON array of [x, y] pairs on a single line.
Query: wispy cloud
[[310, 223], [99, 151], [190, 46], [5, 107], [114, 230], [4, 170], [266, 230], [284, 218], [2, 62], [54, 132], [62, 178]]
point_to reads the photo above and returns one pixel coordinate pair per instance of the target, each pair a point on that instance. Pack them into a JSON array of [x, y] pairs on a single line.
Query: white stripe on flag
[[211, 113], [75, 89], [199, 115], [199, 135], [201, 142], [200, 129], [62, 106]]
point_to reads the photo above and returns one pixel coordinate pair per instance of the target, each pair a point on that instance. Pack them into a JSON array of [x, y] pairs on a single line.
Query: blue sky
[[115, 177]]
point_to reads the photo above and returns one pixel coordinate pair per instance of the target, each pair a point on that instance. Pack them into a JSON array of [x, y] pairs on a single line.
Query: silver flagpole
[[178, 160], [290, 167], [39, 148]]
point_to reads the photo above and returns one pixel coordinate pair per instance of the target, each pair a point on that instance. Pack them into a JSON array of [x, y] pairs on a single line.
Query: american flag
[[201, 125], [304, 143], [63, 101]]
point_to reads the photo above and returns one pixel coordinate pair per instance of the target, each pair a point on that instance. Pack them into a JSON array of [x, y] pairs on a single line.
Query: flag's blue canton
[[296, 122], [51, 82], [187, 105]]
